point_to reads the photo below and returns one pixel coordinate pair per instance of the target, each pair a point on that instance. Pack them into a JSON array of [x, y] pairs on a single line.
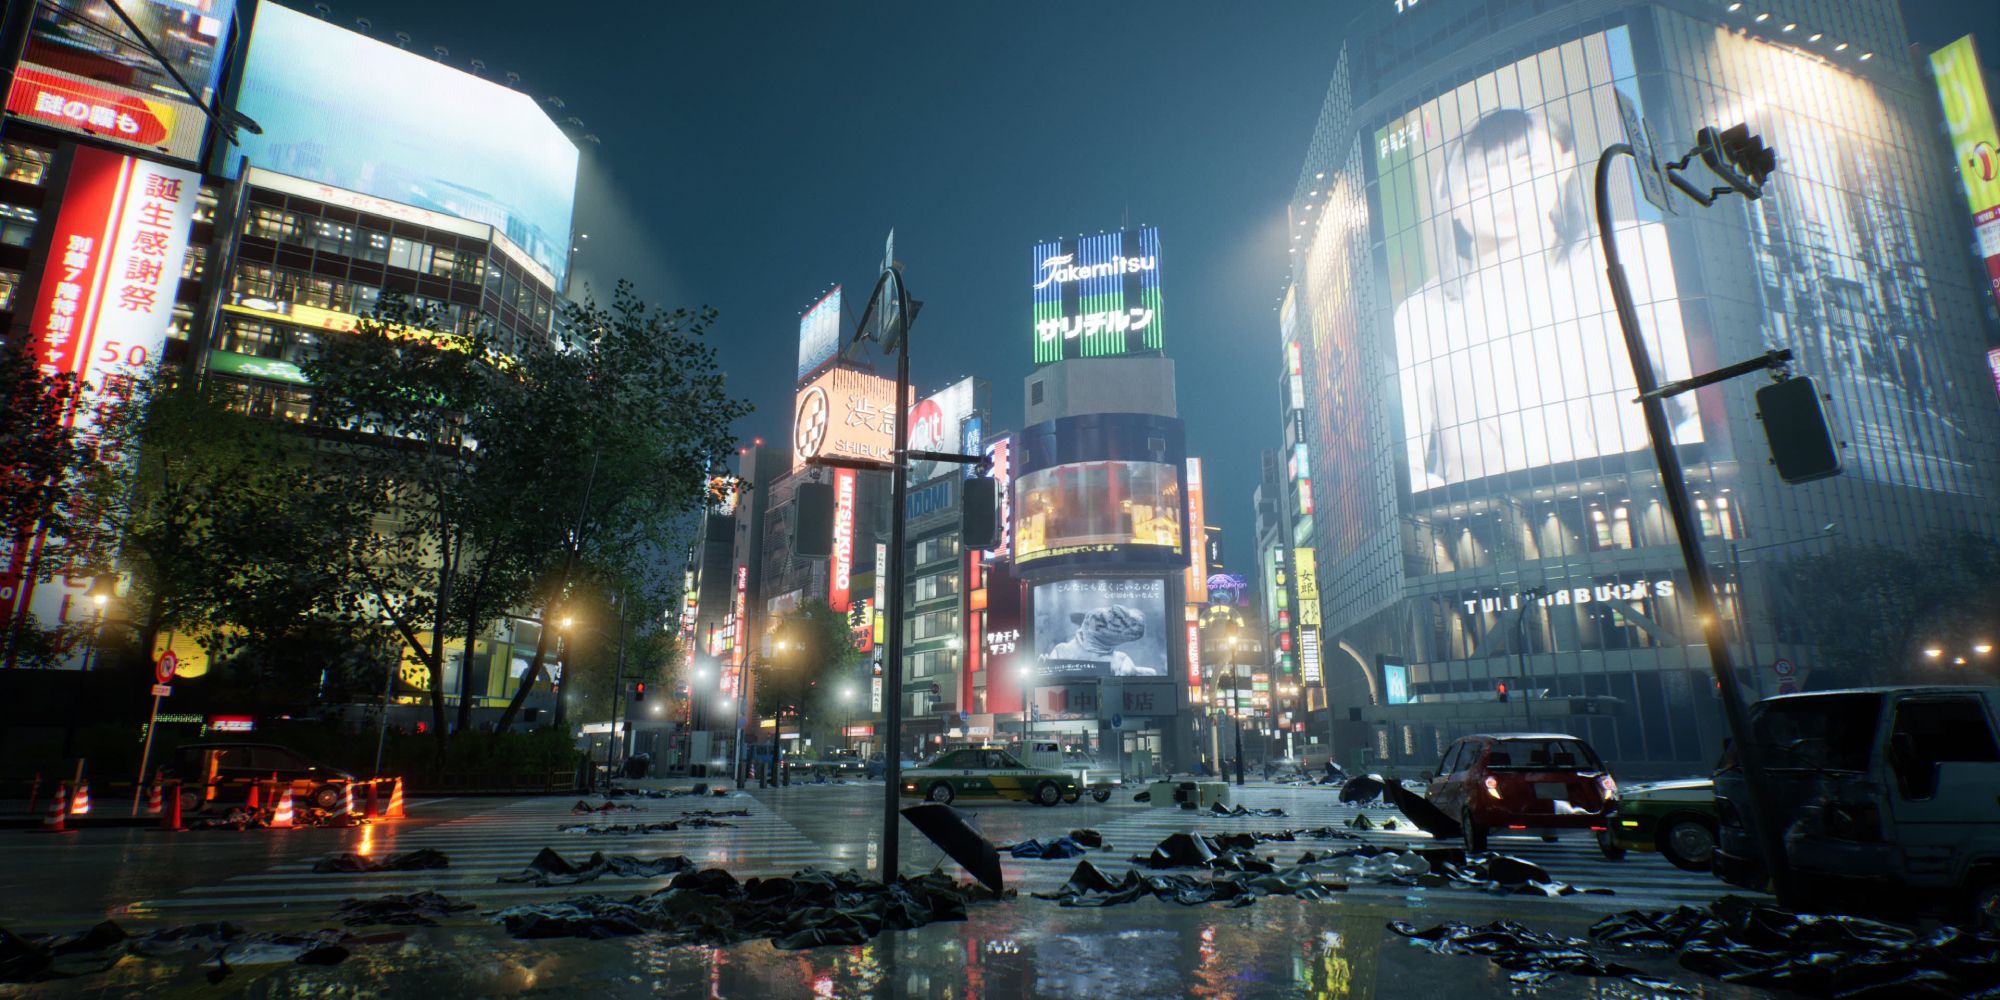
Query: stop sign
[[163, 671]]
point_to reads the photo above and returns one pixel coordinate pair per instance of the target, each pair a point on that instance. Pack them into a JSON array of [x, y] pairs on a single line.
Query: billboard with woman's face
[[1508, 350]]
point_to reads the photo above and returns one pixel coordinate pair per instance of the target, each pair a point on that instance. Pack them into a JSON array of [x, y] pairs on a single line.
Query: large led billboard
[[1097, 296], [1508, 350], [819, 334], [101, 312], [1103, 489], [1101, 627], [346, 110], [940, 423], [844, 414], [84, 72], [1968, 118]]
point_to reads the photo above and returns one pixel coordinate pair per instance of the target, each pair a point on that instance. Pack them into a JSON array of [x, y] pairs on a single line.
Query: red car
[[1525, 781]]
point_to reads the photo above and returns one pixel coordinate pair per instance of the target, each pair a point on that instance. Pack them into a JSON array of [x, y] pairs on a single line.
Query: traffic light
[[639, 691], [812, 520], [1501, 690], [1802, 447], [1738, 157], [979, 526]]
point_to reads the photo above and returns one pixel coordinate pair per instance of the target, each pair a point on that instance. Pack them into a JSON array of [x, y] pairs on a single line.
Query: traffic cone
[[253, 805], [170, 817], [153, 804], [281, 819], [374, 798], [52, 821], [395, 810], [81, 804]]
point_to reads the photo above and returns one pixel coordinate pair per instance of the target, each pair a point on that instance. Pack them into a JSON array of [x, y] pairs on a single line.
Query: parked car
[[1886, 794], [989, 772], [1676, 818], [223, 772], [1095, 778], [1524, 781], [843, 764]]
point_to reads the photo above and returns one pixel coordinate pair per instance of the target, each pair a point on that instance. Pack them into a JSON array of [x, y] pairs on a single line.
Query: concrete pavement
[[1023, 947]]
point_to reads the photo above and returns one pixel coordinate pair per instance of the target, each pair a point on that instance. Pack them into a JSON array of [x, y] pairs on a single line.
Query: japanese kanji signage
[[1097, 296], [83, 71], [101, 312], [844, 414], [840, 586]]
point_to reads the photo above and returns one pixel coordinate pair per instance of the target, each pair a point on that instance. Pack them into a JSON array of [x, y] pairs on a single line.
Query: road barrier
[[153, 797], [170, 817]]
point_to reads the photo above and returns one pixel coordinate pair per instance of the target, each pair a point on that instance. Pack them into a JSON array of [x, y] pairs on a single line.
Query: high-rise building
[[1481, 505]]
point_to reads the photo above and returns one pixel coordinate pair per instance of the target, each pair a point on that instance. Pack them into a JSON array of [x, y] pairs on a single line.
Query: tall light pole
[[1236, 706], [846, 716], [1742, 160]]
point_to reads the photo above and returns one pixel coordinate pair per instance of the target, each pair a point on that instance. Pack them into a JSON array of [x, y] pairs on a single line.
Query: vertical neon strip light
[[1048, 306], [1149, 288]]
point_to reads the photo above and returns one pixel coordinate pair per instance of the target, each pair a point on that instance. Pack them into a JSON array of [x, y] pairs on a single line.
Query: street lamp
[[847, 717]]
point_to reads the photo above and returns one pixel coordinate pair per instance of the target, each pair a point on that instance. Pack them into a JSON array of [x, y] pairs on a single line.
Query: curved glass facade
[[1483, 503]]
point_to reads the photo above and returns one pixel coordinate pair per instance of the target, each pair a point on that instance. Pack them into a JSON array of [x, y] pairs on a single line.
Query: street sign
[[1787, 686], [1783, 668], [1117, 720], [964, 716], [162, 691], [163, 669], [1652, 183]]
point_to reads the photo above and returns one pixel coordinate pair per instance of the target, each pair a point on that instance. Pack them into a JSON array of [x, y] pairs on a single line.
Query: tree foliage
[[41, 458], [1891, 603], [816, 661]]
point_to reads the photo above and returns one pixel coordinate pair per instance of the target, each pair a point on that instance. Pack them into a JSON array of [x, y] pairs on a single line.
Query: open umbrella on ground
[[953, 832]]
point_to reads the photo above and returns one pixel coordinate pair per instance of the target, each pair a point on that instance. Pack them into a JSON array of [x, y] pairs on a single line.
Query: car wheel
[[1100, 794], [1475, 835], [327, 798], [941, 793], [1687, 842], [1609, 847], [1047, 794]]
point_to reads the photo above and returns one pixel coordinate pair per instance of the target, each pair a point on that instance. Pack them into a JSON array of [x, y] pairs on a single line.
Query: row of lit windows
[[1552, 529], [330, 236], [934, 586], [932, 550]]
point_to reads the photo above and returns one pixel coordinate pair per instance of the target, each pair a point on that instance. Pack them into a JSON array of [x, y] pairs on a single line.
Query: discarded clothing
[[1087, 837], [710, 906], [1427, 817], [715, 813], [39, 958], [620, 829], [1218, 809], [549, 868], [406, 862], [583, 808], [1531, 955], [419, 909], [1760, 945], [1090, 886], [1054, 850]]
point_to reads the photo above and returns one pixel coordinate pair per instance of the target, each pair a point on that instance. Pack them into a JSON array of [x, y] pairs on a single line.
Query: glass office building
[[1484, 508]]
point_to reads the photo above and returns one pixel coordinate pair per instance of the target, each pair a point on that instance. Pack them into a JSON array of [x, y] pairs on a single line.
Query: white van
[[1890, 792]]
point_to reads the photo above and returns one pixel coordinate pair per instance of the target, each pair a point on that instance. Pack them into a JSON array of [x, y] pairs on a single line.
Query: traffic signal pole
[[1673, 479]]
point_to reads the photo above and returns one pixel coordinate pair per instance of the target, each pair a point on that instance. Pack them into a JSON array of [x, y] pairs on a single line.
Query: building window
[[270, 223], [409, 255], [17, 225], [10, 282], [24, 164], [204, 204], [1034, 394]]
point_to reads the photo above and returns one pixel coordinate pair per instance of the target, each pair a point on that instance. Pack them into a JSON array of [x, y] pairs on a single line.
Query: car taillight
[[1492, 786], [1607, 787]]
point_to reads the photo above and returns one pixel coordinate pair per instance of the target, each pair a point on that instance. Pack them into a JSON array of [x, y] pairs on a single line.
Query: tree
[[812, 657], [1890, 604], [633, 417], [41, 457]]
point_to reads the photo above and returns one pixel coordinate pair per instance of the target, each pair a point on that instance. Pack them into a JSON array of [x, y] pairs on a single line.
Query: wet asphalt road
[[1279, 947]]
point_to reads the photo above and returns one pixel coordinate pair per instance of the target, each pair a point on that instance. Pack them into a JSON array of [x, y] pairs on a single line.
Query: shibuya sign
[[1594, 594]]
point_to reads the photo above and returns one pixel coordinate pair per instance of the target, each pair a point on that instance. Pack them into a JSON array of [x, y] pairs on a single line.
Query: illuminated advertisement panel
[[84, 72], [844, 414], [1000, 452], [1197, 571], [346, 110], [1101, 627], [1193, 655], [819, 334], [840, 588], [101, 311], [1309, 669], [938, 423], [1968, 117], [1993, 363], [1101, 488], [1305, 577], [1507, 346], [1097, 296]]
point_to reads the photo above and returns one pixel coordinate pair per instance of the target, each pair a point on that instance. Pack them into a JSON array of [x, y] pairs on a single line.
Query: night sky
[[754, 154]]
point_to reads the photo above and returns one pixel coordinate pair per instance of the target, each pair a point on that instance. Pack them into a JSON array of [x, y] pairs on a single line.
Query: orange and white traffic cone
[[81, 804], [170, 818], [281, 819], [374, 798], [153, 804], [347, 803], [395, 810], [253, 805], [52, 821]]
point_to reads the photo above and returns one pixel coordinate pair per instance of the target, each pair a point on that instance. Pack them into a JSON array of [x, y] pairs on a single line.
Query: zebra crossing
[[834, 829], [486, 846]]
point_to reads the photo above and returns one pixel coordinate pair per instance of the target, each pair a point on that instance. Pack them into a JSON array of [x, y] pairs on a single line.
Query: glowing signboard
[[844, 414], [1968, 117], [819, 334], [1097, 296], [840, 587], [1305, 576]]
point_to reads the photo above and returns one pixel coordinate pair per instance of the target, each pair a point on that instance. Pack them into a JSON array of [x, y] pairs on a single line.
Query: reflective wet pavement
[[1279, 947]]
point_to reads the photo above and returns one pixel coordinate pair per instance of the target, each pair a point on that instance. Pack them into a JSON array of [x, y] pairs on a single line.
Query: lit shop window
[[24, 164]]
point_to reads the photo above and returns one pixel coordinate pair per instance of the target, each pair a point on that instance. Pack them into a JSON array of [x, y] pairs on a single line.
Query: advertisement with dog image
[[1101, 627]]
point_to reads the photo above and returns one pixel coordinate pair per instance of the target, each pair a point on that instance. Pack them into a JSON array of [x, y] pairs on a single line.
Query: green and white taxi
[[1676, 818], [988, 773]]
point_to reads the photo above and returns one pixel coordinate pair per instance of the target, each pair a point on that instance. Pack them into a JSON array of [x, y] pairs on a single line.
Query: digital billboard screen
[[1507, 345], [1097, 296], [844, 414], [1101, 627], [343, 109], [819, 334], [1098, 507], [938, 423], [1968, 118], [84, 72]]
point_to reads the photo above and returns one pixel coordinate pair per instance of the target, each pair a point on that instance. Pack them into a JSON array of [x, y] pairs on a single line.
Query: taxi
[[988, 773]]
